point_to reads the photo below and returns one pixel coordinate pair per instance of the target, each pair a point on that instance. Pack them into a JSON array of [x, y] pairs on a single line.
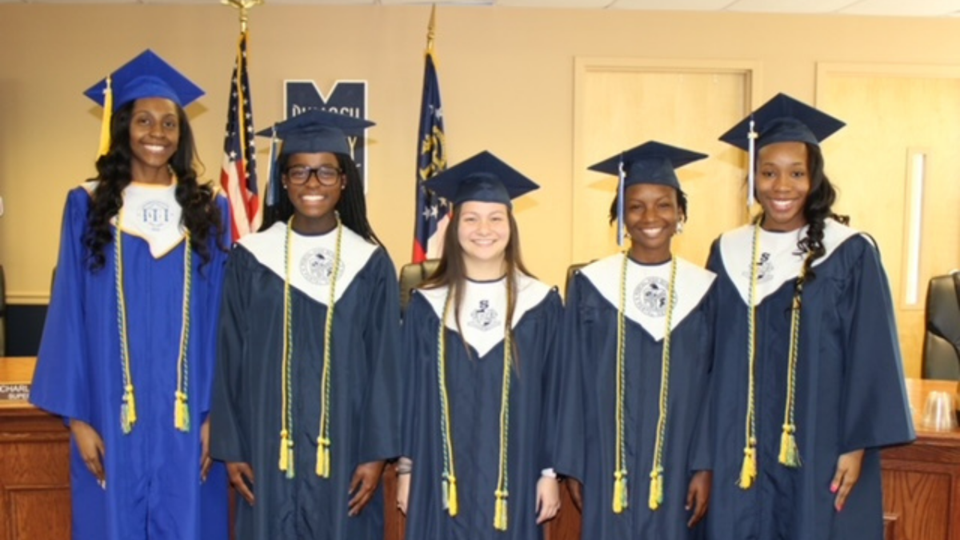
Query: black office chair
[[941, 345], [571, 271], [412, 275]]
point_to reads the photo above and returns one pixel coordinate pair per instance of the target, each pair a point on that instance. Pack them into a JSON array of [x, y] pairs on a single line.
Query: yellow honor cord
[[324, 441], [286, 414], [656, 472], [500, 495], [748, 471], [449, 484], [789, 453], [128, 407], [620, 495]]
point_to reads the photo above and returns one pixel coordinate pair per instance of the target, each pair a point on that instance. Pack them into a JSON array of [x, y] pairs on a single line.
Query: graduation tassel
[[450, 489], [181, 414], [128, 413], [500, 512], [751, 174], [284, 455], [748, 472], [107, 114], [789, 454], [656, 490], [619, 491], [323, 457]]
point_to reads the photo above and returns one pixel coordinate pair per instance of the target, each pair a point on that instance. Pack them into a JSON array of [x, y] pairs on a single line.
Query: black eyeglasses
[[326, 175]]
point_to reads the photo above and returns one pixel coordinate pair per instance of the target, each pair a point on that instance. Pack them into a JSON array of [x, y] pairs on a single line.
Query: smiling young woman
[[809, 379], [639, 327], [299, 403], [480, 341], [128, 348]]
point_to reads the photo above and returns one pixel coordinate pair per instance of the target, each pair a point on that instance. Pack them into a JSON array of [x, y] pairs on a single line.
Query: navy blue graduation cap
[[650, 163], [782, 119], [483, 178], [308, 133], [146, 76]]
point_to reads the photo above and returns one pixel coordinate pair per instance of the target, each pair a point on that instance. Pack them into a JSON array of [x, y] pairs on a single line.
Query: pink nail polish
[[833, 489]]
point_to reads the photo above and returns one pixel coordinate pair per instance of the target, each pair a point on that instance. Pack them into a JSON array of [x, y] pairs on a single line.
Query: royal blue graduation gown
[[365, 384], [474, 388], [153, 488], [850, 390], [589, 403]]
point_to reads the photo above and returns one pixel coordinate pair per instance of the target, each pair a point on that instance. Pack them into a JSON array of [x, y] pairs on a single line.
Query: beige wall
[[506, 77]]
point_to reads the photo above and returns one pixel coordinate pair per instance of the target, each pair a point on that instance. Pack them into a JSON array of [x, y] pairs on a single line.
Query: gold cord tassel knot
[[619, 491], [749, 470], [500, 514], [323, 457], [656, 489], [789, 453]]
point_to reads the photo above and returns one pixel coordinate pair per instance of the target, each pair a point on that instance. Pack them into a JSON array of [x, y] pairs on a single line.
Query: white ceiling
[[899, 8]]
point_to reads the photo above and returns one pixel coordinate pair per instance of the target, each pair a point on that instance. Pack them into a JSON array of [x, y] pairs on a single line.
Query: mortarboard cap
[[484, 178], [783, 119], [146, 76], [316, 131], [650, 163]]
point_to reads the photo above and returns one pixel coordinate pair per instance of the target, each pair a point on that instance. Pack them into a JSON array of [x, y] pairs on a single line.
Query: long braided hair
[[201, 215]]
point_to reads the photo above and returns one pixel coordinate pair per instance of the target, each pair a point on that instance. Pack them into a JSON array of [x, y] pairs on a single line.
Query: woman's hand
[[366, 478], [548, 499], [848, 472], [240, 473], [90, 446], [698, 496]]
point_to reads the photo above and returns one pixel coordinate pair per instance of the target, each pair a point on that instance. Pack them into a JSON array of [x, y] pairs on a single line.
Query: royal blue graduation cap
[[650, 163], [146, 76], [782, 119], [483, 178]]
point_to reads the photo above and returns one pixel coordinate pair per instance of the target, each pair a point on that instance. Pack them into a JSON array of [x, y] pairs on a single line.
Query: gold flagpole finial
[[432, 29], [244, 6]]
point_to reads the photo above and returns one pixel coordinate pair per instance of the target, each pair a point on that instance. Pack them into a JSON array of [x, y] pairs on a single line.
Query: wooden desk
[[34, 465], [921, 482]]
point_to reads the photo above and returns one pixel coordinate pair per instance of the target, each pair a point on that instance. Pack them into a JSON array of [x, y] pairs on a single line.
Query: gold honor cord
[[128, 410], [449, 486], [789, 452], [287, 458], [656, 474], [620, 494]]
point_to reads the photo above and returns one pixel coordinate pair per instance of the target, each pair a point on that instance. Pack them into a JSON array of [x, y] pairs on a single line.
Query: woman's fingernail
[[834, 488]]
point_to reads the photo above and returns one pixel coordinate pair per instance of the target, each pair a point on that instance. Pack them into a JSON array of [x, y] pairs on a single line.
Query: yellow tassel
[[290, 461], [284, 447], [656, 490], [107, 113], [181, 415], [453, 506], [500, 514], [131, 407], [749, 470], [789, 454], [323, 457], [619, 492]]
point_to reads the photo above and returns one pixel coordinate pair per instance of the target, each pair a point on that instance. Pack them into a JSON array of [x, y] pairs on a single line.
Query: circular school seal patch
[[765, 269], [155, 215], [650, 296], [316, 266]]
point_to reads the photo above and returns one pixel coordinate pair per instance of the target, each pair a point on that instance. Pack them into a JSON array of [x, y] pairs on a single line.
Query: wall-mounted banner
[[346, 97]]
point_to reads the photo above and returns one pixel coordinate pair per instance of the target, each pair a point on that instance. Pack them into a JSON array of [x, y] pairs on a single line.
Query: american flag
[[238, 176], [433, 212]]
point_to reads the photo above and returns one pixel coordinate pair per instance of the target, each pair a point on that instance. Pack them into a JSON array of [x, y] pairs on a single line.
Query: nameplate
[[14, 392]]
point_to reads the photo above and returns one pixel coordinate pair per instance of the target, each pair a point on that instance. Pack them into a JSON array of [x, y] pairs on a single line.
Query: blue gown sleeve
[[60, 382], [214, 271], [414, 376], [569, 443], [875, 411], [701, 447], [380, 435], [227, 440], [551, 380]]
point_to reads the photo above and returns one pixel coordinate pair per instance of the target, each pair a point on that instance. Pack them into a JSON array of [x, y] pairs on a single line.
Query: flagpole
[[432, 28], [244, 6]]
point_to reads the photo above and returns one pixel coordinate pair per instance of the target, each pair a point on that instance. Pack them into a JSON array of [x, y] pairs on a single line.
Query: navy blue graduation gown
[[589, 402], [153, 487], [365, 385], [474, 387], [850, 390]]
